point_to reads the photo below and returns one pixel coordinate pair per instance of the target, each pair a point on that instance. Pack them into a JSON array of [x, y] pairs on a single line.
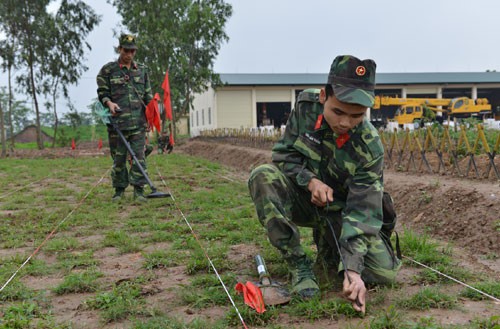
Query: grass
[[93, 237]]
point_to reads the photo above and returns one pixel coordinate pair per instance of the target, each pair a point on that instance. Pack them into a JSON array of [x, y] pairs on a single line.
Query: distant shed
[[28, 135]]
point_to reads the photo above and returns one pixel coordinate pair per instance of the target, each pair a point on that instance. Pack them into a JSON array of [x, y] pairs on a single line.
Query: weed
[[19, 315], [425, 197], [491, 288], [316, 308], [79, 282], [423, 250], [122, 301], [122, 241], [162, 259], [426, 299], [61, 244], [390, 319]]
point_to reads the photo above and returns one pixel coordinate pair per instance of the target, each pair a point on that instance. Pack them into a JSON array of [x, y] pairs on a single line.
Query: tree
[[64, 66], [46, 45], [181, 36]]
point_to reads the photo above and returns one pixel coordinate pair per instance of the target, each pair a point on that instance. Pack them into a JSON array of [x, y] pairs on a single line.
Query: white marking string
[[206, 254], [453, 279], [23, 187], [53, 231]]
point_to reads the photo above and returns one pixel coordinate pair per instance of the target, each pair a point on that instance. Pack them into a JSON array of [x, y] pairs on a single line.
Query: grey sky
[[297, 36]]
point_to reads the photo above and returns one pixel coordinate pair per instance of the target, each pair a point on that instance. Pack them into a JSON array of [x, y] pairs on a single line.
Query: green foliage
[[19, 315], [428, 298], [122, 301], [422, 249], [315, 309], [79, 282], [185, 41], [491, 288]]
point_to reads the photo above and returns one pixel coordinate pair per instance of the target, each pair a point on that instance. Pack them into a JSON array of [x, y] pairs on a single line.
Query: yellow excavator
[[412, 109]]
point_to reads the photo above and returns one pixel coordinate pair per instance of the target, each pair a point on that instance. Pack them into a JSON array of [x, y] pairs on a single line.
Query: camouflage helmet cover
[[127, 41], [353, 80]]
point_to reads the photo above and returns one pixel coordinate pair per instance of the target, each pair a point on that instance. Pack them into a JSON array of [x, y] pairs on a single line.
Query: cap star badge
[[360, 70]]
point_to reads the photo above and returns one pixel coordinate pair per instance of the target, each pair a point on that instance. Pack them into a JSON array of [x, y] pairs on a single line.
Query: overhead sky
[[292, 36]]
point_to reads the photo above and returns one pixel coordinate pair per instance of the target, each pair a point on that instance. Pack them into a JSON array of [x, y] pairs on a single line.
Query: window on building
[[209, 116], [202, 117], [197, 119], [192, 119]]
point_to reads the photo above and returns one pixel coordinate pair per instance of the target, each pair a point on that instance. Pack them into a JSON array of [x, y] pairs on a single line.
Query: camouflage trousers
[[282, 206], [120, 175]]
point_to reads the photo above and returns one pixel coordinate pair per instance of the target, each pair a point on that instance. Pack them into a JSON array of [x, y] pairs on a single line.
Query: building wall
[[234, 108], [203, 114]]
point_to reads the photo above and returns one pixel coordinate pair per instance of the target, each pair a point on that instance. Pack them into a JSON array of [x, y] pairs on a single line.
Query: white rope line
[[453, 279], [23, 187], [53, 231], [206, 254]]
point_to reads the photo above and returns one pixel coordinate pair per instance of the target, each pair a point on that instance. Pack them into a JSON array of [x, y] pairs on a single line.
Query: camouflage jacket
[[354, 171], [130, 89]]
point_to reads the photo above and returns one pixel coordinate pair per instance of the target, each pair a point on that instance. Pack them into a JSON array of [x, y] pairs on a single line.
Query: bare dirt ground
[[464, 213]]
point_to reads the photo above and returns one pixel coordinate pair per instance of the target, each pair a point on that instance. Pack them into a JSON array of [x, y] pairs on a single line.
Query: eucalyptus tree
[[50, 48], [65, 62], [181, 36]]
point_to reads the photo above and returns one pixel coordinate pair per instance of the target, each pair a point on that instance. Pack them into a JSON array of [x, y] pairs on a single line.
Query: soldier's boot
[[139, 194], [119, 193], [148, 150], [304, 283]]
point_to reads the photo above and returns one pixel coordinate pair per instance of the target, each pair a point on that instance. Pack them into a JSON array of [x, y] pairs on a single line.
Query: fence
[[465, 152]]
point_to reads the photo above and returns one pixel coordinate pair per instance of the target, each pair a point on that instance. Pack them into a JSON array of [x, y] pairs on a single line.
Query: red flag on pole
[[99, 144], [166, 97], [73, 145], [167, 103], [153, 114]]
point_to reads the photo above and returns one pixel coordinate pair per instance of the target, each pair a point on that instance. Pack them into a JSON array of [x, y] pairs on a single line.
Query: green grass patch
[[79, 283], [428, 298], [491, 288]]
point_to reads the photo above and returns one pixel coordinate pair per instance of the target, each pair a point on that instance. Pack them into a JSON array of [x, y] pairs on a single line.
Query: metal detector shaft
[[127, 145]]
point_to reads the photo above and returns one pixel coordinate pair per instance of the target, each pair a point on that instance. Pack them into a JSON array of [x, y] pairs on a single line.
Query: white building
[[253, 100]]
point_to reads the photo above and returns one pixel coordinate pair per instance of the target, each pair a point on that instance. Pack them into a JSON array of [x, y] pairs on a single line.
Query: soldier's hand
[[355, 290], [113, 108], [321, 194]]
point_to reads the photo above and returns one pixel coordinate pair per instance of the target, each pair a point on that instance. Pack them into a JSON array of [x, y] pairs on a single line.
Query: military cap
[[127, 41], [353, 80]]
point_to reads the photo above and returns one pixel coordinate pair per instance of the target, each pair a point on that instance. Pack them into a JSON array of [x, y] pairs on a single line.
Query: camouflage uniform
[[131, 90], [354, 171]]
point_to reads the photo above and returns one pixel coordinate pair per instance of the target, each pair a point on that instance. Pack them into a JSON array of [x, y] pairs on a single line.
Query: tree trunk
[[56, 123], [39, 140], [2, 132], [11, 123]]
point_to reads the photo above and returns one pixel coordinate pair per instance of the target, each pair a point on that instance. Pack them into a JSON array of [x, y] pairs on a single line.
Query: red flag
[[73, 145], [99, 144], [167, 104], [153, 114], [166, 97], [252, 295]]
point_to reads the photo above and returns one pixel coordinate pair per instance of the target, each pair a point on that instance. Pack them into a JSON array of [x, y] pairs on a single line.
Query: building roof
[[291, 79]]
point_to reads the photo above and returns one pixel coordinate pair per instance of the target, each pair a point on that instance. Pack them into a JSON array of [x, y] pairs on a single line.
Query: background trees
[[44, 53], [181, 36], [48, 49]]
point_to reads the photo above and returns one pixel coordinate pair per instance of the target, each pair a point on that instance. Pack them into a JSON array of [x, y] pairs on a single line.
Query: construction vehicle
[[413, 109]]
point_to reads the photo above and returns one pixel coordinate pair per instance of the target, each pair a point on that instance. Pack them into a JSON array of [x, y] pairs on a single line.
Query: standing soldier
[[123, 87], [327, 175]]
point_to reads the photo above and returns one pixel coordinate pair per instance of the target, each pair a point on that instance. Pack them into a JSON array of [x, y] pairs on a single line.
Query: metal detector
[[154, 193], [107, 119]]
